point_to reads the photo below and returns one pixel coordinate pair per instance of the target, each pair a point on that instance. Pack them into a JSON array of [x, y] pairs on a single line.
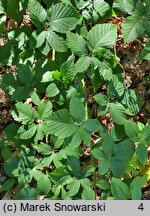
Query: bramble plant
[[64, 57]]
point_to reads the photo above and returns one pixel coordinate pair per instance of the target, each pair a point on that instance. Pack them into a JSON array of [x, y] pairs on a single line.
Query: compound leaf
[[82, 64], [27, 131], [77, 109], [126, 6], [119, 189], [61, 124], [24, 113], [63, 18], [52, 90], [55, 41], [132, 28], [76, 43], [45, 109], [37, 13], [142, 153], [88, 194], [117, 113], [131, 128], [102, 35]]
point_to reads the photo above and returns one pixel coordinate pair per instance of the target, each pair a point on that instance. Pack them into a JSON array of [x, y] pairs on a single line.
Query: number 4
[[141, 207]]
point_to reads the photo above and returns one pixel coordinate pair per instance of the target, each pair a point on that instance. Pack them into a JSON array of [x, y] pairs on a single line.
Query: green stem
[[53, 55], [94, 177], [86, 98], [47, 138]]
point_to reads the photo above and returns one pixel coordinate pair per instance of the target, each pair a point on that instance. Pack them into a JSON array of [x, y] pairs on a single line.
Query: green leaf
[[87, 171], [131, 129], [35, 98], [37, 13], [6, 153], [102, 35], [119, 189], [37, 38], [24, 74], [52, 90], [76, 140], [2, 21], [1, 8], [109, 146], [11, 167], [91, 125], [39, 133], [26, 57], [7, 184], [88, 194], [14, 9], [101, 7], [101, 99], [27, 194], [117, 113], [85, 136], [145, 54], [142, 153], [76, 43], [45, 109], [59, 174], [46, 162], [138, 181], [25, 113], [21, 93], [77, 109], [61, 124], [132, 28], [98, 154], [145, 134], [136, 185], [7, 54], [126, 6], [8, 82], [116, 87], [11, 131], [58, 143], [102, 110], [140, 9], [85, 182], [40, 38], [27, 131], [68, 69], [132, 102], [43, 149], [19, 36], [125, 150], [82, 64], [104, 166], [74, 165], [55, 41], [73, 188], [103, 184], [118, 133], [44, 184], [136, 193], [117, 167], [105, 71], [47, 76], [37, 174], [45, 48], [63, 18]]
